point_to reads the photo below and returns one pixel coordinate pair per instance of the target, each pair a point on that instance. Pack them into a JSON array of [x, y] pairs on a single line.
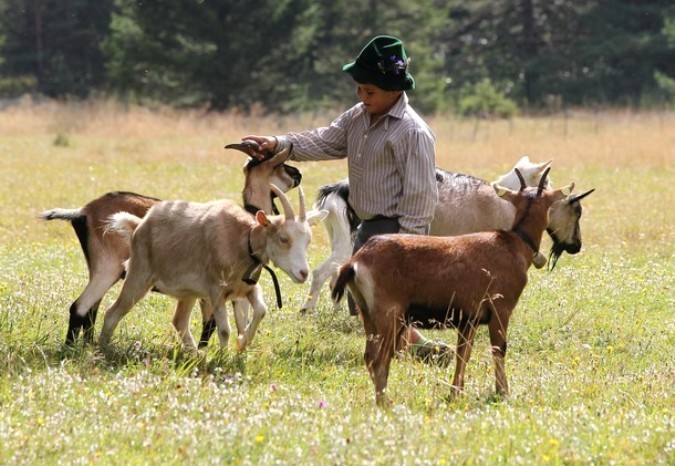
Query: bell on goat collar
[[539, 260]]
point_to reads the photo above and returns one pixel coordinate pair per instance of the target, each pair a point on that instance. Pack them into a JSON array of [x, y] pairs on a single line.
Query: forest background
[[284, 56]]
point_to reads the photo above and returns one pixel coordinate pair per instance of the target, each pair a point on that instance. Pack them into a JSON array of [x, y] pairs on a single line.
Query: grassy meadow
[[591, 345]]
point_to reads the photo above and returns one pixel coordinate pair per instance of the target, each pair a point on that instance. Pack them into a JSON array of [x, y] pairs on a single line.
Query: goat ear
[[563, 193], [262, 218], [281, 157], [544, 165], [567, 190], [314, 216], [524, 161], [501, 190]]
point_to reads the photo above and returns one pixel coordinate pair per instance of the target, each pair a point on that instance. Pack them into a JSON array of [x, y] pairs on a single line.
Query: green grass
[[590, 358]]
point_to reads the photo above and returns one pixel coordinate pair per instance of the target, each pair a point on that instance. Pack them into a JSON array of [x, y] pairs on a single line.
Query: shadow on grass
[[313, 353], [160, 359]]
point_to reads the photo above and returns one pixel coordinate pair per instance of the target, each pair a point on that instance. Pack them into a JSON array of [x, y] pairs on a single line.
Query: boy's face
[[376, 101]]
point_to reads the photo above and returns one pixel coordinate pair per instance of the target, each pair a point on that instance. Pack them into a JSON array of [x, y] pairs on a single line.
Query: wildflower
[[259, 438], [322, 404]]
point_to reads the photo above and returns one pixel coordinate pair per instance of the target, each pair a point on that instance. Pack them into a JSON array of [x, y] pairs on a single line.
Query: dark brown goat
[[105, 253], [434, 282]]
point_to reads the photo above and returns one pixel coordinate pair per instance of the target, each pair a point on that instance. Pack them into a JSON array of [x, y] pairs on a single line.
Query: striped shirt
[[391, 164]]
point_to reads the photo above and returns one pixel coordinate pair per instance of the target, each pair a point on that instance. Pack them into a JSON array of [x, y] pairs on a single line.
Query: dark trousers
[[368, 228], [372, 227]]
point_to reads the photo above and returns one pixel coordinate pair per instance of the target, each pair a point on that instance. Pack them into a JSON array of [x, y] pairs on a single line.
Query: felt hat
[[384, 63]]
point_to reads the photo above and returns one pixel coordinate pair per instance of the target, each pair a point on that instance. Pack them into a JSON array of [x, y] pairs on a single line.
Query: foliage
[[286, 56], [55, 42], [483, 100]]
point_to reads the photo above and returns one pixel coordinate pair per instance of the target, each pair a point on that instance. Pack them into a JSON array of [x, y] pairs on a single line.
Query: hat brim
[[385, 82]]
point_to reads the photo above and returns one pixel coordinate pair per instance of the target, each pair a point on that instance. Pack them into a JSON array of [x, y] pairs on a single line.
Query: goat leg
[[75, 324], [137, 284], [466, 332], [85, 308], [240, 307], [497, 331], [181, 322], [208, 322], [380, 344], [89, 322], [218, 303], [320, 274], [255, 298]]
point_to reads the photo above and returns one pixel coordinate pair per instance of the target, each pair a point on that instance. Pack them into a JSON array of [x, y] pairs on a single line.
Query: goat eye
[[283, 240]]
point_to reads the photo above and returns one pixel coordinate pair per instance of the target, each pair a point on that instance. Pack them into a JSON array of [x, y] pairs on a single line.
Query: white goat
[[431, 282], [106, 253], [213, 251], [466, 204]]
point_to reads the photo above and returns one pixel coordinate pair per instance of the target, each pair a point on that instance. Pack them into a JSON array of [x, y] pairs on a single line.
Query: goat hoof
[[241, 343]]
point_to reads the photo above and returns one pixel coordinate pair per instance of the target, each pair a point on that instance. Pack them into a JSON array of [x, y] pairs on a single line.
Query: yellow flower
[[259, 438], [554, 442]]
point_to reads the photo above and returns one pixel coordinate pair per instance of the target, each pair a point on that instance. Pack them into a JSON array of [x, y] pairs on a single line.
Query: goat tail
[[345, 276], [123, 223], [61, 214]]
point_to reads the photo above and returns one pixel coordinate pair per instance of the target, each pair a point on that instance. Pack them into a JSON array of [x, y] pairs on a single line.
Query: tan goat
[[434, 282], [105, 254], [213, 251]]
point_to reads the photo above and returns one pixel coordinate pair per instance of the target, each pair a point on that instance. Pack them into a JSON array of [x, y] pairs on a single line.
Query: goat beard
[[554, 254]]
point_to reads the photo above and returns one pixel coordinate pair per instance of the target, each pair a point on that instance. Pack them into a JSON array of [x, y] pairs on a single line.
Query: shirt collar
[[397, 110]]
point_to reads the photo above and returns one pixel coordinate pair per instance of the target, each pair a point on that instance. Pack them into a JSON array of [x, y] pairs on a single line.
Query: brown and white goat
[[105, 253], [212, 251], [466, 204], [461, 281]]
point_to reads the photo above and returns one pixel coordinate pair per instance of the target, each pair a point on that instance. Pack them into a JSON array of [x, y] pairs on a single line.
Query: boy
[[390, 152]]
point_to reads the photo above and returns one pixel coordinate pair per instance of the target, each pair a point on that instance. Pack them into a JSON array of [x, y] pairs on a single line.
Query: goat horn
[[302, 215], [578, 197], [250, 148], [523, 185], [542, 181], [288, 210]]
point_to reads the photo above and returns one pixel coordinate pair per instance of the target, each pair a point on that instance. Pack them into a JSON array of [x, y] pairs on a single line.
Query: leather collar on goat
[[521, 234], [252, 274], [251, 209]]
